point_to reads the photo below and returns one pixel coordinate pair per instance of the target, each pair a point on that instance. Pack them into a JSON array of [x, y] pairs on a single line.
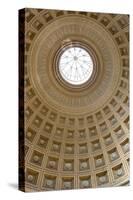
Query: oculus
[[75, 65]]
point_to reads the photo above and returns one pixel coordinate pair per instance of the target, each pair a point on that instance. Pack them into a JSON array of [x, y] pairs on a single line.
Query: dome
[[77, 100]]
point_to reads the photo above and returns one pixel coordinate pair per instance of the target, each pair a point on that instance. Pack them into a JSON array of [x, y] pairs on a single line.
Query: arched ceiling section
[[76, 137]]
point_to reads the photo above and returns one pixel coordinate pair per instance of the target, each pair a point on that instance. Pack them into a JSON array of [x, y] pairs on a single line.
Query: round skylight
[[75, 65]]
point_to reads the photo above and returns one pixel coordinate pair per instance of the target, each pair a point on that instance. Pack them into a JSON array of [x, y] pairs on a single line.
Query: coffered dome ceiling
[[77, 134]]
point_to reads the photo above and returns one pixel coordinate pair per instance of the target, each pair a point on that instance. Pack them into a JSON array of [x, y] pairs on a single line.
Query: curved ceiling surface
[[77, 135]]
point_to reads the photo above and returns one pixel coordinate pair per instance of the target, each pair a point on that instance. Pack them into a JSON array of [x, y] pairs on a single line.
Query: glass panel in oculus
[[76, 65]]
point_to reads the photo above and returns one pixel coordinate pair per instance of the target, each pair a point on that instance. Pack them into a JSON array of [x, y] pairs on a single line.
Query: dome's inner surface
[[77, 100]]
